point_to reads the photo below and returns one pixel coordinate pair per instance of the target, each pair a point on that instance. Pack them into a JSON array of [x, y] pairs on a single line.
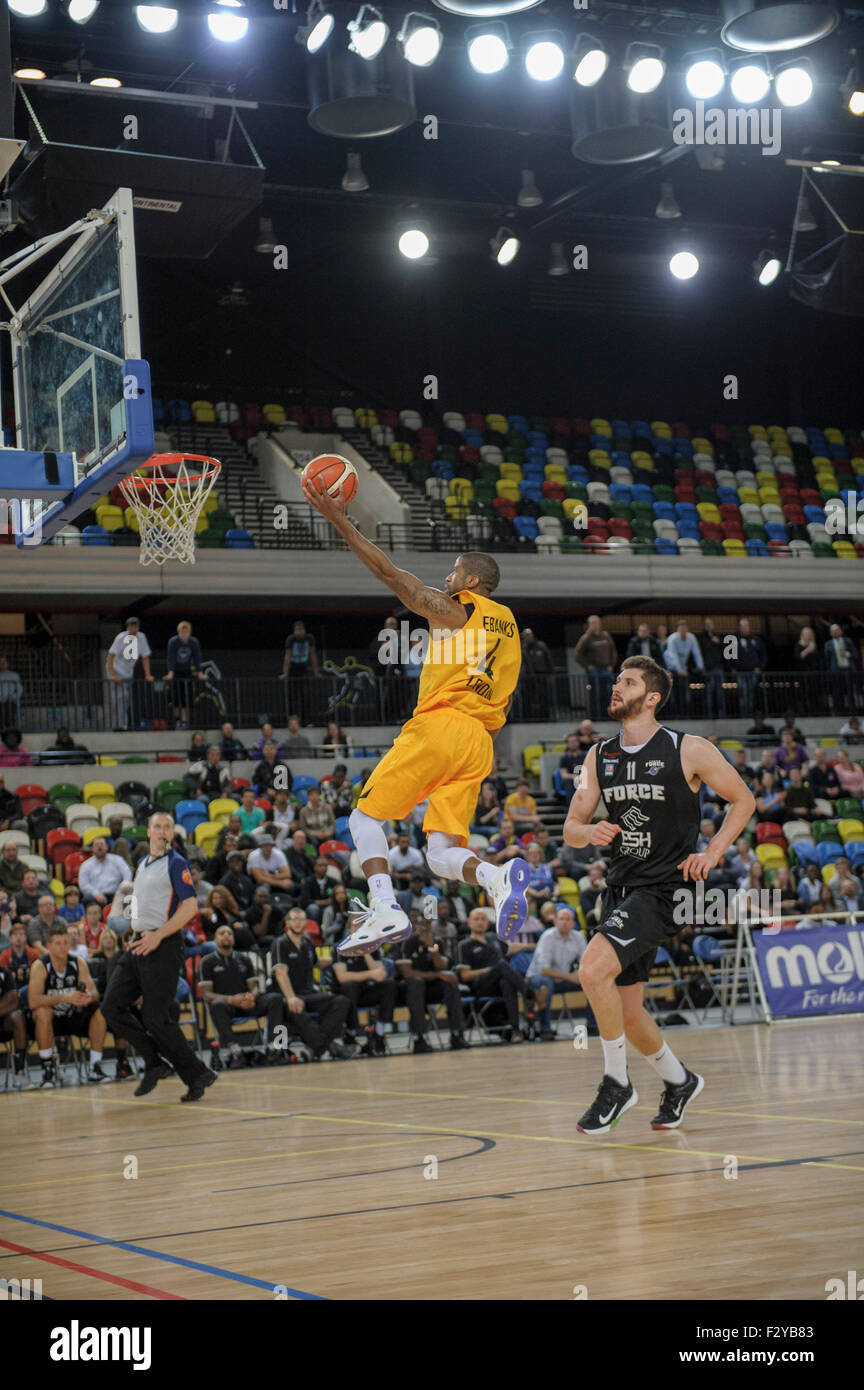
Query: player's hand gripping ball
[[329, 472]]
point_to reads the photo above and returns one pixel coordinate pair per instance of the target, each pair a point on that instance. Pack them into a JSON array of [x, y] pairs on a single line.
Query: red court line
[[94, 1273]]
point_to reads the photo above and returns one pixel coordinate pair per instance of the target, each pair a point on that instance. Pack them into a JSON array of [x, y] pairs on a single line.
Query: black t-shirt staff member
[[163, 902]]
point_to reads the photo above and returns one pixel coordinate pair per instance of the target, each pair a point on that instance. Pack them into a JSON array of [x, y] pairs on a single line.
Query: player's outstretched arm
[[701, 759], [579, 830], [433, 604]]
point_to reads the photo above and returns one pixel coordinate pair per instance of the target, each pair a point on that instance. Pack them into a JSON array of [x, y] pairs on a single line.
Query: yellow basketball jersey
[[474, 670]]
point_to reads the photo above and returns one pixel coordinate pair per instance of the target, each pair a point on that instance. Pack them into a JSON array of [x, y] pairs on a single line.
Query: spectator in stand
[[447, 917], [506, 844], [250, 816], [741, 765], [301, 654], [337, 792], [596, 651], [578, 745], [11, 692], [200, 884], [413, 898], [237, 881], [810, 885], [739, 863], [271, 775], [643, 644], [851, 731], [681, 649], [230, 991], [800, 801], [220, 910], [73, 908], [548, 847], [760, 732], [18, 958], [231, 750], [806, 653], [77, 947], [12, 1023], [256, 752], [537, 668], [488, 811], [711, 647], [847, 897], [93, 925], [263, 921], [428, 980], [117, 841], [820, 914], [788, 892], [123, 655], [299, 862], [267, 864], [12, 751], [64, 1000], [753, 882], [207, 779], [284, 813], [5, 924], [317, 819], [840, 652], [554, 966], [494, 775], [365, 983], [850, 775], [770, 799], [749, 664], [790, 754], [184, 662], [480, 964], [27, 901], [822, 777], [789, 723], [521, 807], [405, 862], [101, 875], [541, 880], [295, 743], [64, 743], [318, 889], [11, 815], [334, 920], [294, 961], [336, 743], [12, 869], [843, 873]]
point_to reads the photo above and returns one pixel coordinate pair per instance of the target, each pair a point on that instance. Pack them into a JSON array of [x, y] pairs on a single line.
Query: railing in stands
[[356, 697]]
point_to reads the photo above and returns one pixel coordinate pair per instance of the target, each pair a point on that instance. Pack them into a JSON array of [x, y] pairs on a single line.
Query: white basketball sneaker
[[508, 897], [374, 926]]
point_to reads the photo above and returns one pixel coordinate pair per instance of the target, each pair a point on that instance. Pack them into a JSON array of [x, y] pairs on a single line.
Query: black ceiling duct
[[357, 98], [763, 26], [183, 207]]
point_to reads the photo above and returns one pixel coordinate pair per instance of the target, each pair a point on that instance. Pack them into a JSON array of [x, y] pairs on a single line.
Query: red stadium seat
[[60, 843], [263, 803], [238, 784], [30, 794], [71, 864]]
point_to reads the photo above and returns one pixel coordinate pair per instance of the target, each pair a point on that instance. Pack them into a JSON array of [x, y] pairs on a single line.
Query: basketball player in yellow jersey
[[445, 750]]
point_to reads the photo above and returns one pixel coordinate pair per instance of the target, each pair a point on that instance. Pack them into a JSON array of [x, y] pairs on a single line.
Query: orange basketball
[[333, 472]]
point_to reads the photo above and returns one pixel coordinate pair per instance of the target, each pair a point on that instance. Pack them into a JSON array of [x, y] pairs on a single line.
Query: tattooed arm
[[442, 612]]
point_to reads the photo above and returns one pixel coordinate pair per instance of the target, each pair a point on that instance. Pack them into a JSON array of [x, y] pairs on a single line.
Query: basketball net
[[166, 497]]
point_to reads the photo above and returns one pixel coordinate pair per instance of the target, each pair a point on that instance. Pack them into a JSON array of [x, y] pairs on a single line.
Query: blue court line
[[167, 1259]]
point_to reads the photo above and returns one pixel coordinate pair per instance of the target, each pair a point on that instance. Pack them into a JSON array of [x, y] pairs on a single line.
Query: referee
[[163, 901]]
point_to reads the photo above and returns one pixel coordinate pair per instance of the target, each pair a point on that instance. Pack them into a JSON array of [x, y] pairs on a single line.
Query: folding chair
[[709, 952], [663, 961]]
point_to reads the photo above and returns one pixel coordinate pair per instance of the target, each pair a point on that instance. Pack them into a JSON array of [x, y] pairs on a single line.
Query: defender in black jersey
[[649, 778], [64, 1000]]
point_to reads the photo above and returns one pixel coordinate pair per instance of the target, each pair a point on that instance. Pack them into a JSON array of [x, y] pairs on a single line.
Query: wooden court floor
[[449, 1177]]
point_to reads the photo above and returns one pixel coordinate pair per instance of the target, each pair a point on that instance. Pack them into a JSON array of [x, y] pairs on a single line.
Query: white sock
[[95, 1057], [45, 1053], [381, 886], [486, 874], [379, 1029], [666, 1064], [615, 1059]]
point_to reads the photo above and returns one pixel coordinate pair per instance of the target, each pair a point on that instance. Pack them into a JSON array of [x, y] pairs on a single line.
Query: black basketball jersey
[[646, 793], [67, 983]]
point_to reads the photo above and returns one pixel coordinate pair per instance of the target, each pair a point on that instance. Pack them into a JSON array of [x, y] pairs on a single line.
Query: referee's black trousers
[[155, 1032]]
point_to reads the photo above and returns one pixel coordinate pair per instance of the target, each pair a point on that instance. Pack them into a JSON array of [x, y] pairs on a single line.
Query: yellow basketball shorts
[[443, 755]]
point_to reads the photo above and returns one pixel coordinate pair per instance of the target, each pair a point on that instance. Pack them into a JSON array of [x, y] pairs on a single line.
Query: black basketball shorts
[[76, 1022], [636, 921]]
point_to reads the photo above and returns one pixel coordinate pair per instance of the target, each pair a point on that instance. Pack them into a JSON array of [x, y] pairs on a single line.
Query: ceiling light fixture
[[420, 39], [369, 33], [156, 19]]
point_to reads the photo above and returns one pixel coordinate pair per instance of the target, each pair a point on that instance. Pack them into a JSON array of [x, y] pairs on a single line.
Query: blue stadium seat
[[238, 539], [576, 473], [815, 514], [95, 535], [828, 851], [756, 548], [727, 495], [642, 493], [189, 814], [526, 527], [666, 547], [619, 492], [776, 532], [664, 511]]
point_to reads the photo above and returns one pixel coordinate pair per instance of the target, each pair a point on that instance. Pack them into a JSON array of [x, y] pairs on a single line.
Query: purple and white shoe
[[374, 926], [508, 897]]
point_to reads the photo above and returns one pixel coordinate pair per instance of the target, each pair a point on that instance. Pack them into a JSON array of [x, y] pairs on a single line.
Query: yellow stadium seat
[[511, 472], [531, 758], [844, 550], [702, 446], [769, 497], [601, 426], [733, 547], [508, 489], [206, 834], [92, 832], [568, 889], [98, 794], [58, 888], [573, 506], [104, 761], [109, 517], [462, 489], [555, 473], [828, 872], [457, 510], [770, 855], [708, 511], [850, 829], [130, 520], [757, 431], [221, 809], [732, 744], [749, 495]]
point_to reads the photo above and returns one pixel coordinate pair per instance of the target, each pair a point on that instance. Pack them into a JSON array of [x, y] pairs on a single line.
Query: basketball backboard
[[83, 409]]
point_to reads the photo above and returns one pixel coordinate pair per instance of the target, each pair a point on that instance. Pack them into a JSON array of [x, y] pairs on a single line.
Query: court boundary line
[[117, 1279]]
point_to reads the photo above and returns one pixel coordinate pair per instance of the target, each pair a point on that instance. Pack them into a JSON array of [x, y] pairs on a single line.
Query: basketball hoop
[[167, 498]]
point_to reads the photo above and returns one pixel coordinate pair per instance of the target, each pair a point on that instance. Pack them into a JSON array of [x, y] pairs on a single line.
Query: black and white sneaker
[[49, 1077], [612, 1100], [675, 1099], [95, 1075]]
